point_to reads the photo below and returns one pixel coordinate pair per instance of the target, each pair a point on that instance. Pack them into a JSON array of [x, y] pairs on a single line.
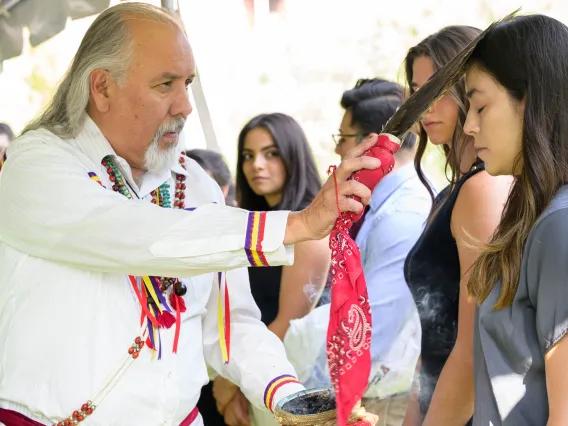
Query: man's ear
[[102, 87]]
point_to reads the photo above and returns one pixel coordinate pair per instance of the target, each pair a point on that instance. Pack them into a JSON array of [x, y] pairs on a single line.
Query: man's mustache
[[175, 126]]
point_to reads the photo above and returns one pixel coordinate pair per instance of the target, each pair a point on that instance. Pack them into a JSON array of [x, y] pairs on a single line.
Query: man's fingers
[[368, 419], [243, 417], [358, 150], [220, 408], [236, 414], [351, 205], [348, 167], [352, 187]]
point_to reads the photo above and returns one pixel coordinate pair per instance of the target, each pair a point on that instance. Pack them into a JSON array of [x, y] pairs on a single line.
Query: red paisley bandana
[[349, 330]]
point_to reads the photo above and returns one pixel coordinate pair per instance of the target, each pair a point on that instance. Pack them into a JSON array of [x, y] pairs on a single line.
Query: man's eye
[[167, 84]]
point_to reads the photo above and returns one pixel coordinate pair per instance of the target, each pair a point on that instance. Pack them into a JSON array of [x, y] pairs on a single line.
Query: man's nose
[[182, 105]]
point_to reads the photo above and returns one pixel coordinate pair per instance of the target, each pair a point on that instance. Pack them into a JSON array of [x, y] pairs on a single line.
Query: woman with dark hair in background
[[214, 164], [275, 167], [276, 171], [438, 266]]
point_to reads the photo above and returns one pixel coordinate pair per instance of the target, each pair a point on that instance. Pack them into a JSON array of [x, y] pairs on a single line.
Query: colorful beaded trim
[[78, 415], [156, 309]]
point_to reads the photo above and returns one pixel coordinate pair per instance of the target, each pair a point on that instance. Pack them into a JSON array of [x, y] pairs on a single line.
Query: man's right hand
[[316, 221]]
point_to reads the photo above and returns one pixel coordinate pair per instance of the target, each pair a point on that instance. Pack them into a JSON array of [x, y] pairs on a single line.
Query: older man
[[98, 212]]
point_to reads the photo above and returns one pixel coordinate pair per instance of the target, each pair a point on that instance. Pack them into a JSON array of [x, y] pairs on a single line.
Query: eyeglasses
[[339, 138]]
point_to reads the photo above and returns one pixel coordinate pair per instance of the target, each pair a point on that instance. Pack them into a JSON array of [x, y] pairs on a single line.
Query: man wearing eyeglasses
[[399, 207]]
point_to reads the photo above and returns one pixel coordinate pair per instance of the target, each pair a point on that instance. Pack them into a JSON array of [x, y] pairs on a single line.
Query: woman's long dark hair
[[302, 180], [441, 47], [527, 56]]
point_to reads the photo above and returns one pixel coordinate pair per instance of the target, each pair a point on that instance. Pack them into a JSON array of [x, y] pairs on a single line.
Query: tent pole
[[198, 95], [169, 4]]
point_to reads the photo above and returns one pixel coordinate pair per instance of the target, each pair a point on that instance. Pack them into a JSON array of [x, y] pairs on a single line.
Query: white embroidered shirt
[[68, 313]]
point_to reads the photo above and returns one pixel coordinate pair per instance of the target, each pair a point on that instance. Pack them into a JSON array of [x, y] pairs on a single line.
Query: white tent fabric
[[43, 18]]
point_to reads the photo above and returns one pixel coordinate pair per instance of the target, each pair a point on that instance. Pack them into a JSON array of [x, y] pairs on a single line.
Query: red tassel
[[149, 342], [178, 324], [166, 319], [177, 302]]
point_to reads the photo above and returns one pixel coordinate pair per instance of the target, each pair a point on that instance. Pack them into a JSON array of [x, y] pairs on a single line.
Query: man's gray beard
[[158, 160]]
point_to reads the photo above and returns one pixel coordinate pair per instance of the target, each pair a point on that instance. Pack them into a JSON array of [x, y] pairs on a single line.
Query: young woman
[[438, 266], [518, 120], [276, 171]]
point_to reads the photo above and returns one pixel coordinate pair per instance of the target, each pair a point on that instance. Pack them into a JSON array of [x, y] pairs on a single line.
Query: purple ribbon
[[159, 293]]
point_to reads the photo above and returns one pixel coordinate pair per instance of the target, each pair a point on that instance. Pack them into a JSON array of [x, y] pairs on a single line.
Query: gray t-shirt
[[509, 344]]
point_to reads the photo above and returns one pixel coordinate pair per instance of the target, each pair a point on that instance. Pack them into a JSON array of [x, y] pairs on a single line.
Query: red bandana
[[349, 331]]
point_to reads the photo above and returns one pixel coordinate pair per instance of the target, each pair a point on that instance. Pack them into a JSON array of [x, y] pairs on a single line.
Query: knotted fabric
[[349, 330]]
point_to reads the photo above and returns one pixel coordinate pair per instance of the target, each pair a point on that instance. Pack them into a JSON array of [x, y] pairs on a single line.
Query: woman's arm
[[546, 271], [413, 416], [556, 378], [476, 214], [307, 275]]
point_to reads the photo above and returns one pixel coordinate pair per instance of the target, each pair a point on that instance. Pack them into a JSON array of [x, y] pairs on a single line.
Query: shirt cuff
[[264, 237], [279, 388]]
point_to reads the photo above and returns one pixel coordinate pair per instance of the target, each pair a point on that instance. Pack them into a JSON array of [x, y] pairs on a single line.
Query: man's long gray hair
[[106, 45]]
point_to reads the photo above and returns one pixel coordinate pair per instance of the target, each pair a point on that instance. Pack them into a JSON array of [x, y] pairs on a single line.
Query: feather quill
[[416, 106]]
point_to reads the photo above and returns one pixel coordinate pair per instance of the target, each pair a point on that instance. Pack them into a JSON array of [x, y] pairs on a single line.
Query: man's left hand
[[368, 419], [223, 392], [362, 417], [237, 411]]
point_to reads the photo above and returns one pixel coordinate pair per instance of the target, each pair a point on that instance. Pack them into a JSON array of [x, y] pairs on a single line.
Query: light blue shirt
[[399, 208]]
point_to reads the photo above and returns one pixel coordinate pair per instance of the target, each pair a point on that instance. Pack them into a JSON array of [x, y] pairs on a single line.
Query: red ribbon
[[142, 300], [177, 307]]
